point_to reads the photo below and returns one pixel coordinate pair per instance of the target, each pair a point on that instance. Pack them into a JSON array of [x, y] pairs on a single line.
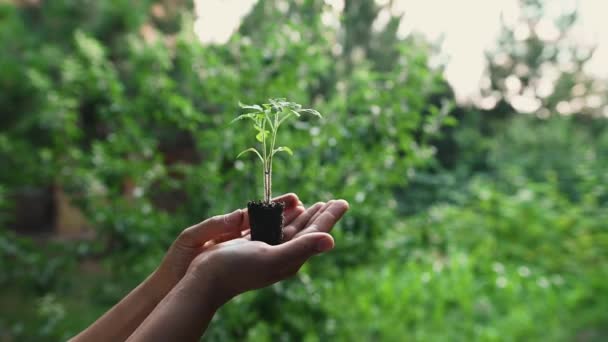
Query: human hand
[[222, 269], [238, 265], [143, 303], [192, 241]]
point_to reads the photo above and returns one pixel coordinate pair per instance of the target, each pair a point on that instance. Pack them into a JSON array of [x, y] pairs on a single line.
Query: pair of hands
[[207, 265], [220, 248]]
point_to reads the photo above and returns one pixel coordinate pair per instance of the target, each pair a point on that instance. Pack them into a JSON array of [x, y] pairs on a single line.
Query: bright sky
[[468, 27]]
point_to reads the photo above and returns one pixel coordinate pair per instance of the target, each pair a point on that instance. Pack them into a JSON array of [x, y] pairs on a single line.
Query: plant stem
[[267, 186], [266, 172], [275, 128]]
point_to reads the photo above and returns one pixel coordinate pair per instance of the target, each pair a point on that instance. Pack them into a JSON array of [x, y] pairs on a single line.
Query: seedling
[[266, 217]]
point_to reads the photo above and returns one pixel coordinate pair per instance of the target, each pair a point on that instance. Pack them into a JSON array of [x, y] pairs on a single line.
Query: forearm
[[183, 315], [119, 322]]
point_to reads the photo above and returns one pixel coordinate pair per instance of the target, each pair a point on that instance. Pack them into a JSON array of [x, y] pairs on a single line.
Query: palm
[[241, 264]]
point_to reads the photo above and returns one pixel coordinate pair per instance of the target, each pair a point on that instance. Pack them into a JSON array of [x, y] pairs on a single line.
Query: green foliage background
[[494, 229]]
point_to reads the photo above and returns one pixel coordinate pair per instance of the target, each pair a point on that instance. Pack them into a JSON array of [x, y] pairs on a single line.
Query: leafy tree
[[132, 126], [538, 67]]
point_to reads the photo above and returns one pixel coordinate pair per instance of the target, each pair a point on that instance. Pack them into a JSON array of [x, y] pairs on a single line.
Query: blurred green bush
[[521, 266]]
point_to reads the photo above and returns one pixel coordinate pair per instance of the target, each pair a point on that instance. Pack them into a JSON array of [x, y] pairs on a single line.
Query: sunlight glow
[[465, 29]]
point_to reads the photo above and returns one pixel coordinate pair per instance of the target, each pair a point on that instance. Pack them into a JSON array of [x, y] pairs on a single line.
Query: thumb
[[213, 227], [300, 249]]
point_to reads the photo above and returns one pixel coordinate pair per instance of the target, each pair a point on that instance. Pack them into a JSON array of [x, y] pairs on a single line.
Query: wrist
[[202, 290], [207, 276], [159, 285], [183, 313]]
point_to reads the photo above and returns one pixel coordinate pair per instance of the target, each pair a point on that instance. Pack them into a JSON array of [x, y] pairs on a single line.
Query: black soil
[[266, 221]]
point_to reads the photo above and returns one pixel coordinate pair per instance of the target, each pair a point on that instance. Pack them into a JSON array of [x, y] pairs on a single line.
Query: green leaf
[[262, 134], [251, 116], [251, 149], [266, 116], [283, 149], [310, 111], [288, 115], [277, 103], [245, 106], [259, 128]]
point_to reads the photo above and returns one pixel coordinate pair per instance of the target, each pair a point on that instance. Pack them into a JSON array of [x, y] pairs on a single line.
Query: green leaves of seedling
[[283, 149], [262, 133], [267, 118], [311, 111], [255, 107], [251, 116], [251, 149]]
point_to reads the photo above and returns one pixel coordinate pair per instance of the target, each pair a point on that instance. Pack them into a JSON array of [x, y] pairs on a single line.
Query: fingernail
[[345, 203], [324, 245]]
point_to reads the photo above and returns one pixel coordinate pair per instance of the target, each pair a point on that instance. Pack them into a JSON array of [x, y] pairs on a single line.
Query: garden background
[[482, 220]]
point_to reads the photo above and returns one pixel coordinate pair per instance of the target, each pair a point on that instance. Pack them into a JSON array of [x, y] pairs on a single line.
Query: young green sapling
[[266, 217]]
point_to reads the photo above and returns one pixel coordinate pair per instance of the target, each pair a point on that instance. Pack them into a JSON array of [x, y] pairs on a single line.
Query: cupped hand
[[239, 265], [192, 241]]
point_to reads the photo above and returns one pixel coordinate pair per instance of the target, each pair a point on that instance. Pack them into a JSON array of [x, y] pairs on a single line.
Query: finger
[[297, 251], [213, 244], [326, 220], [289, 200], [213, 227], [321, 211], [292, 214], [226, 237], [300, 222]]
